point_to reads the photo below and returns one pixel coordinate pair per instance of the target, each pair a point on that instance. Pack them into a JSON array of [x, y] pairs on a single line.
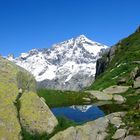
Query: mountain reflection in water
[[82, 113]]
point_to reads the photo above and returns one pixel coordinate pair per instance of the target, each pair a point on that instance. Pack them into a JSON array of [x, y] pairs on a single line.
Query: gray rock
[[119, 98], [130, 137], [94, 130], [100, 95], [137, 83], [116, 121], [119, 134], [134, 73], [116, 89]]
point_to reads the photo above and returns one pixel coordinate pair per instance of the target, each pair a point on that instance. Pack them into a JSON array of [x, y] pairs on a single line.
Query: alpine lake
[[72, 106]]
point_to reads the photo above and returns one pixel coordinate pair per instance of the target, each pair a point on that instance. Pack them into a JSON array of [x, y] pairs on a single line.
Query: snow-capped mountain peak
[[70, 64]]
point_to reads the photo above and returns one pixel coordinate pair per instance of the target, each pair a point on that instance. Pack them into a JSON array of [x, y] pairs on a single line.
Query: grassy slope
[[127, 52], [58, 98]]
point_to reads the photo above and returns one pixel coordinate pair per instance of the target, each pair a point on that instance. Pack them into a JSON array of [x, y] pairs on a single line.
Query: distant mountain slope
[[121, 64], [68, 65]]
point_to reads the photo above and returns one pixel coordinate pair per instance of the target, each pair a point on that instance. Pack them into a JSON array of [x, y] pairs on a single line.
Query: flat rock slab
[[116, 89], [101, 96]]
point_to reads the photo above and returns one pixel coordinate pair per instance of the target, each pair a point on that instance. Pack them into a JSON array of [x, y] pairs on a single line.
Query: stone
[[94, 130], [131, 137], [135, 73], [87, 99], [119, 134], [116, 89], [116, 121], [121, 81], [35, 115], [137, 82], [100, 95], [119, 98], [68, 134]]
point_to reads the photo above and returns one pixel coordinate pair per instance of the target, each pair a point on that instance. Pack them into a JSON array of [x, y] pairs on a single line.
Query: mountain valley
[[76, 78]]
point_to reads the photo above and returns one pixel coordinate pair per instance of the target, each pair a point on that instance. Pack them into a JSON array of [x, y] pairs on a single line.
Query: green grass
[[132, 98], [128, 50], [132, 120], [110, 130], [58, 98], [112, 76]]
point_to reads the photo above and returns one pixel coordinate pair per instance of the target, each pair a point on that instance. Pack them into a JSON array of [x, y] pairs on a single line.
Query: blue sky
[[28, 24]]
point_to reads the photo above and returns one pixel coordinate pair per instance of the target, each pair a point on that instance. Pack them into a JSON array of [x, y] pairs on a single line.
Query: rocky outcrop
[[101, 65], [109, 94], [105, 60], [9, 124], [20, 107], [35, 115], [94, 130]]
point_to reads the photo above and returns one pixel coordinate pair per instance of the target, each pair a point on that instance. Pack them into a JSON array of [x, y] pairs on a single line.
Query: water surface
[[79, 114]]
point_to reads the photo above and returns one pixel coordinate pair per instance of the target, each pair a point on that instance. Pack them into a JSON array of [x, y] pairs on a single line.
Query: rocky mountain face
[[120, 64], [126, 50], [69, 65]]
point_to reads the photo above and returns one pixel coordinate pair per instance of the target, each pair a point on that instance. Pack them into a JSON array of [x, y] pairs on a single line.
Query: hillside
[[120, 65]]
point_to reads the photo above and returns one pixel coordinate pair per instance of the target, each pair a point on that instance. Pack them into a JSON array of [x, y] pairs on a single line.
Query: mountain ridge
[[67, 65]]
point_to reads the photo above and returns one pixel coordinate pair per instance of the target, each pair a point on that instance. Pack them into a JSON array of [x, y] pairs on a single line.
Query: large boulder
[[9, 124], [35, 115], [12, 78]]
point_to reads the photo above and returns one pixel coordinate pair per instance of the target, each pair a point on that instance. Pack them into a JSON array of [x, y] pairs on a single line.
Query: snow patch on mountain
[[67, 65]]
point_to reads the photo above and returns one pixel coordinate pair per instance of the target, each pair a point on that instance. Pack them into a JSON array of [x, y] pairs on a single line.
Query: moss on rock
[[35, 115]]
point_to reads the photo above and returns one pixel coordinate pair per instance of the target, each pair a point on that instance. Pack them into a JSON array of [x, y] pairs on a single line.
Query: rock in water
[[35, 115]]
